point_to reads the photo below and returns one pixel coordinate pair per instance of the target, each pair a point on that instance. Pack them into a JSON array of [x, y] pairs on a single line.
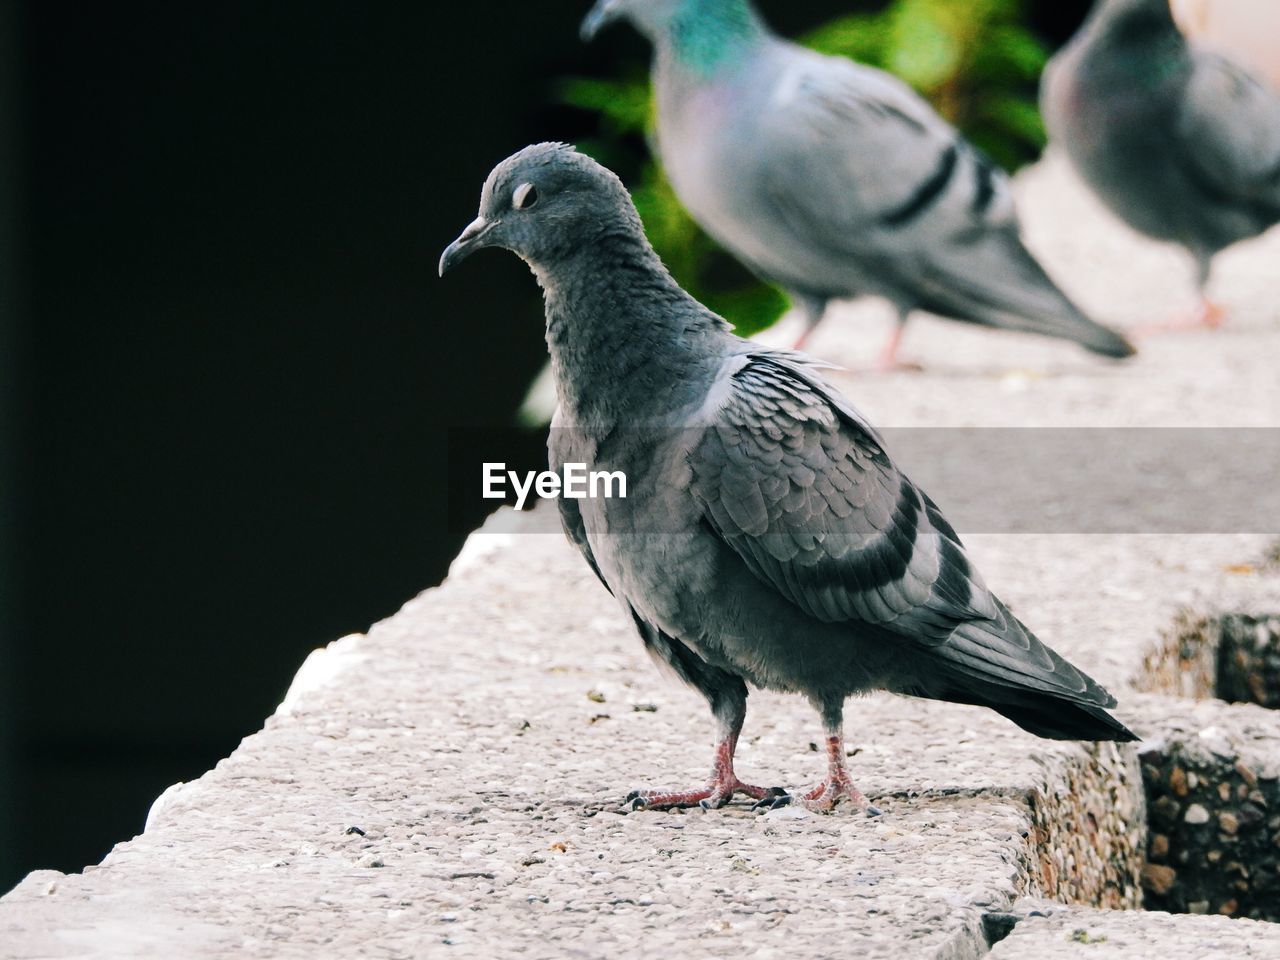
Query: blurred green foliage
[[974, 60]]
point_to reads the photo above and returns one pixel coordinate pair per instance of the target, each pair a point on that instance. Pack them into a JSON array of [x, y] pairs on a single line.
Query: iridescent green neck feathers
[[706, 36]]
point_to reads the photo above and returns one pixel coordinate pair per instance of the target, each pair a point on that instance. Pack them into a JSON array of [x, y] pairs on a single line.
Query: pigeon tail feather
[[1103, 341], [1055, 718], [1044, 714]]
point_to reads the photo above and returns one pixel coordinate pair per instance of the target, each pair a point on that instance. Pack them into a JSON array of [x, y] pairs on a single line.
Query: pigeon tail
[[1001, 665], [1069, 324], [1014, 292], [1055, 718], [1041, 713], [1101, 340]]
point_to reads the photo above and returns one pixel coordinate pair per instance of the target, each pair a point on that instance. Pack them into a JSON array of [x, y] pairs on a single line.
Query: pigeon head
[[699, 30], [545, 204], [650, 17], [1134, 21]]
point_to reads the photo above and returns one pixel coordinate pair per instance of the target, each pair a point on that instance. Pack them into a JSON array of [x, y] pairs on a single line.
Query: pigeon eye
[[526, 196]]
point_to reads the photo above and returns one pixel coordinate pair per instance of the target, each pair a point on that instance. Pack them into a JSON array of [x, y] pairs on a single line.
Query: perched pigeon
[[833, 179], [766, 537], [1181, 144]]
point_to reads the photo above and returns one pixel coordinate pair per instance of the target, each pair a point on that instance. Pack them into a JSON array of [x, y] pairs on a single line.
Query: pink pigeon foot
[[836, 787], [1207, 316], [720, 787]]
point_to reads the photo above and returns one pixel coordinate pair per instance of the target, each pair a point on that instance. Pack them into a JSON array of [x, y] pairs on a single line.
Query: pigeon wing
[[797, 484], [559, 442], [576, 531], [861, 162]]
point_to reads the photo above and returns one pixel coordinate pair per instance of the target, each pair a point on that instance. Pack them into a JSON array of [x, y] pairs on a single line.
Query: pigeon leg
[[1212, 315], [838, 785], [812, 309], [1207, 316], [888, 359], [723, 782]]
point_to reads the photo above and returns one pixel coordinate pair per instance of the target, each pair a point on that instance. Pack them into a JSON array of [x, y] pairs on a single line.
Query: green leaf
[[750, 309], [625, 103], [861, 37], [1011, 52], [1016, 116], [923, 52]]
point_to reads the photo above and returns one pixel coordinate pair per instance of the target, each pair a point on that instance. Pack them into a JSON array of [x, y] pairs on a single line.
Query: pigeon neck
[[622, 334], [709, 36]]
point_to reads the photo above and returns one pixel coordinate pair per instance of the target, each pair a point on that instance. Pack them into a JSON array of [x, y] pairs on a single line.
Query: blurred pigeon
[[833, 179], [1181, 144], [766, 537], [1246, 31]]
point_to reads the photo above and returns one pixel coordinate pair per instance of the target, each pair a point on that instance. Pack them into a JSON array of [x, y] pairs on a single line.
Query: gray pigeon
[[766, 537], [1181, 144], [833, 179]]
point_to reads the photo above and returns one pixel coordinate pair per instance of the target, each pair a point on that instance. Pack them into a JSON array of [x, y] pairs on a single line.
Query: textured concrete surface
[[449, 782], [1101, 935]]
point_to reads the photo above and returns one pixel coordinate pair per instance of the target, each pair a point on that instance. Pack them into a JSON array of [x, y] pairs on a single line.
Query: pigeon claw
[[713, 796], [824, 797], [775, 799], [818, 804]]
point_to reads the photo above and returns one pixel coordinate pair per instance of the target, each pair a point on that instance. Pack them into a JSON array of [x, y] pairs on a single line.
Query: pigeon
[[1180, 143], [766, 537], [833, 179]]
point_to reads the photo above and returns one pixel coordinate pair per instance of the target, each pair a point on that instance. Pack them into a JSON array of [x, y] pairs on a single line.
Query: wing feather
[[838, 530], [806, 495]]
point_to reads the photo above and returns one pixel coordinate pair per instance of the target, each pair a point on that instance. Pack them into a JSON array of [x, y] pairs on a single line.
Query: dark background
[[228, 373]]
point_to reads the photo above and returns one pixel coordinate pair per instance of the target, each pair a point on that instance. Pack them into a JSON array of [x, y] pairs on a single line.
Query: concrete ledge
[[482, 738]]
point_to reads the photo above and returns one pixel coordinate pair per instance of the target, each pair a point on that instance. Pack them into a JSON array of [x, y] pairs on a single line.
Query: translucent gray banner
[[1020, 480]]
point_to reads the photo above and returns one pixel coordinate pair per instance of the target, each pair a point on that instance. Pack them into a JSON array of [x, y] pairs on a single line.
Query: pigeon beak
[[602, 14], [469, 241]]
